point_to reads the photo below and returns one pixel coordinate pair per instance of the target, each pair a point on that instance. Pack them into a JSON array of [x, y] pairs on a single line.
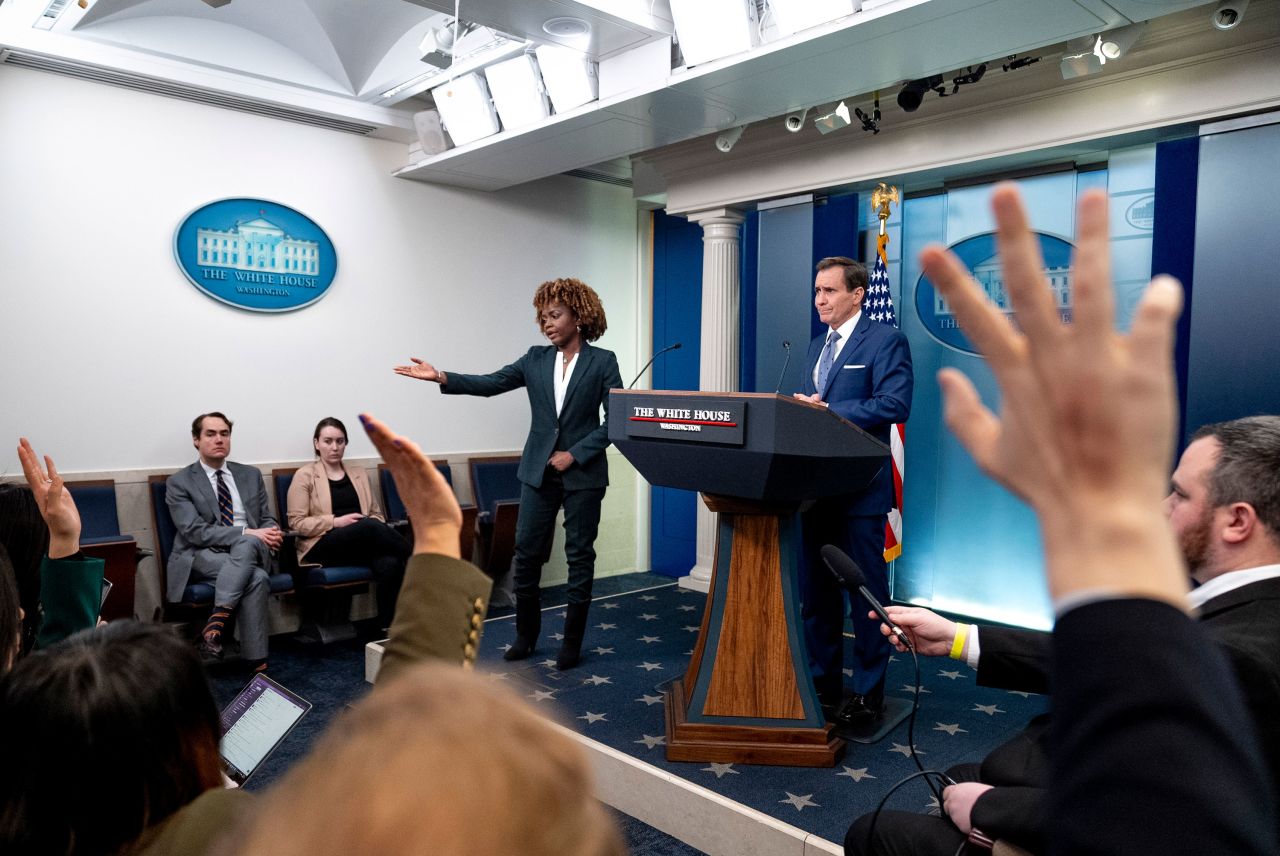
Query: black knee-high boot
[[575, 627], [528, 625]]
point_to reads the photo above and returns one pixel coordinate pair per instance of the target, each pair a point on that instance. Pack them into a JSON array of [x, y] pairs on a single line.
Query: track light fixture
[[795, 120], [971, 75], [869, 123], [726, 141], [833, 121], [913, 92]]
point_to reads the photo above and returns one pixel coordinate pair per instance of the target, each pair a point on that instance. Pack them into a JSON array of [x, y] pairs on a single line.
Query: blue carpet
[[639, 641]]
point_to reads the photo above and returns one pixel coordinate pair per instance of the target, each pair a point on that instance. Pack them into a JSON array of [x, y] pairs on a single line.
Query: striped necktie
[[824, 362], [226, 511]]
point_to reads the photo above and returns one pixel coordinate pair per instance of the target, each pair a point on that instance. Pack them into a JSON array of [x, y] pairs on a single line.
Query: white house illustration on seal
[[988, 276], [257, 245]]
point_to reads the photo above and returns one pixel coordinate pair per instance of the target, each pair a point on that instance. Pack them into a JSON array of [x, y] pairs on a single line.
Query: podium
[[757, 459]]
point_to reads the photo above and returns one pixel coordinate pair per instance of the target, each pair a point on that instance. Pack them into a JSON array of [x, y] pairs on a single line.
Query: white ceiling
[[332, 60]]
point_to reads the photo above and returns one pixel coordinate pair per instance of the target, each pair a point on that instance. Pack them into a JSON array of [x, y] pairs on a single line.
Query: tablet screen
[[254, 724]]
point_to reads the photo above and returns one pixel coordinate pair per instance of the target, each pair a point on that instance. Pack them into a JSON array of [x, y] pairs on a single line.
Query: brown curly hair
[[582, 301]]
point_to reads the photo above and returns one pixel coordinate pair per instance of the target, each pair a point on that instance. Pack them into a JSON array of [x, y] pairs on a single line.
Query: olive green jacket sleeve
[[439, 614]]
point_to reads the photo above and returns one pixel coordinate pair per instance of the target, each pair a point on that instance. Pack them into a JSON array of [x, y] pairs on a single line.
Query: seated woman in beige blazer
[[339, 521]]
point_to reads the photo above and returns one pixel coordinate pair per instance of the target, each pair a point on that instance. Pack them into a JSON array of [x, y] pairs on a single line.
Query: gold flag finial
[[880, 199]]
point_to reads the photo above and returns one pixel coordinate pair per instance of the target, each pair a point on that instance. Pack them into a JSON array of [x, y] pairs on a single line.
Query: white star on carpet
[[564, 615], [988, 709], [1019, 692], [932, 807], [692, 628], [498, 676], [559, 637], [857, 775], [650, 742], [649, 667], [907, 688], [950, 729], [951, 675], [905, 751], [541, 695], [594, 717], [549, 663], [506, 647], [649, 639], [648, 597], [606, 626], [690, 608], [608, 606], [689, 653], [596, 680], [650, 699], [800, 802], [648, 616], [848, 673], [602, 650], [720, 770]]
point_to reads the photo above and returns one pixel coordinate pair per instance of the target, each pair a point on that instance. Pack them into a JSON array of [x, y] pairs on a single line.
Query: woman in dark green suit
[[563, 463]]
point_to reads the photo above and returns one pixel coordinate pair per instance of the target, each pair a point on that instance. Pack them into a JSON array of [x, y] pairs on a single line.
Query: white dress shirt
[[845, 330], [561, 375], [237, 507]]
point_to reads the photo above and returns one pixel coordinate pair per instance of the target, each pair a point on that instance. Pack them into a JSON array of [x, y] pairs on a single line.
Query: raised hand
[[1087, 416], [433, 509], [56, 505], [420, 369]]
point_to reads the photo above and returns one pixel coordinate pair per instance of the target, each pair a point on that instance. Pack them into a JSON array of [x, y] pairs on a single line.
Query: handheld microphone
[[786, 344], [674, 347], [851, 577]]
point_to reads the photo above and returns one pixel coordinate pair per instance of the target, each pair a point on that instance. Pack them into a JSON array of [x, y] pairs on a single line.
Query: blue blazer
[[870, 384], [578, 430]]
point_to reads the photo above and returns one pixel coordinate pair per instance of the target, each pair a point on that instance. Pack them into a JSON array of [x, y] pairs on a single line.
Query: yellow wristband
[[957, 644]]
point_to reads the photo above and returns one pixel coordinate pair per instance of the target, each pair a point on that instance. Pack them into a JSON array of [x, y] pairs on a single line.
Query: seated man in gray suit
[[225, 537]]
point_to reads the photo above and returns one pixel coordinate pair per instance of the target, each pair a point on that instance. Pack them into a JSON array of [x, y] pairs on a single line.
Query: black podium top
[[757, 446]]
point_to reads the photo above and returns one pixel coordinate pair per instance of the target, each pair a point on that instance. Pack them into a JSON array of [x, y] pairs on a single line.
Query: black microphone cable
[[786, 345]]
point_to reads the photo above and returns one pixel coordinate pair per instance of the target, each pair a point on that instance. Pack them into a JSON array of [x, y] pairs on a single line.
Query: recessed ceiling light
[[566, 27]]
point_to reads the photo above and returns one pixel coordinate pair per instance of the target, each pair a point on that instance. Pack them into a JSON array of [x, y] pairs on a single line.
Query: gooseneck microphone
[[851, 577], [674, 347], [786, 344]]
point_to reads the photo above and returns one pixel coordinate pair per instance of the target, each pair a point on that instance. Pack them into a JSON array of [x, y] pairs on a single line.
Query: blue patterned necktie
[[226, 511], [824, 362]]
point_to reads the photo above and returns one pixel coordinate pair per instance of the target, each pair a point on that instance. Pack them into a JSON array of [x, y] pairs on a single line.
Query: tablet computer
[[255, 723]]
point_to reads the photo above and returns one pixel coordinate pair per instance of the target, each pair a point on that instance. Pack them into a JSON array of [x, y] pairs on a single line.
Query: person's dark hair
[[855, 273], [328, 422], [25, 536], [10, 625], [103, 735], [197, 424], [581, 299], [1248, 466]]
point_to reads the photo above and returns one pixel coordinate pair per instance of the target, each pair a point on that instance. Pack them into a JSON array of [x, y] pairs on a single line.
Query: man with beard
[[1224, 507]]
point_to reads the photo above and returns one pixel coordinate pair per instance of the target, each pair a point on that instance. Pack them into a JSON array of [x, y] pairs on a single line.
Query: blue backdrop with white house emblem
[[255, 254]]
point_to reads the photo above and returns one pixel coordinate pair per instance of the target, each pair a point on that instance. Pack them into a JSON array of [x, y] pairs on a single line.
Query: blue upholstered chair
[[101, 538], [326, 591], [399, 518], [496, 488]]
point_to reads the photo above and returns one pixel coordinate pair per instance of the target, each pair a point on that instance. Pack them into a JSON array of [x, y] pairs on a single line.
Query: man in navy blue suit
[[860, 369]]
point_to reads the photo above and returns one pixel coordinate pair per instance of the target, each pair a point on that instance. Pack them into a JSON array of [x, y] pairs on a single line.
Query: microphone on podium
[[674, 347], [851, 577], [786, 345]]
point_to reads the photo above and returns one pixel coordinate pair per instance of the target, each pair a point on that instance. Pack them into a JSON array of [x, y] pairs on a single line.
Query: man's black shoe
[[860, 711]]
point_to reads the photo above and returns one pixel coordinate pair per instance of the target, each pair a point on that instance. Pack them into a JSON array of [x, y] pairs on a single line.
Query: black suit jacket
[[1153, 749], [1245, 624], [578, 429]]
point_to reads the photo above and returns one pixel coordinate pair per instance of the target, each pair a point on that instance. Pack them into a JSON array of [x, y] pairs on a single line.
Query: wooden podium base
[[747, 696], [744, 744]]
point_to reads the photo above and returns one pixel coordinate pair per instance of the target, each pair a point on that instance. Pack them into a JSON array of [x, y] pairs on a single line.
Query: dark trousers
[[905, 833], [535, 531], [822, 600], [367, 543]]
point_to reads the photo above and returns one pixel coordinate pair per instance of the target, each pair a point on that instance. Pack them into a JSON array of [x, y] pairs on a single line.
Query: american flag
[[880, 308]]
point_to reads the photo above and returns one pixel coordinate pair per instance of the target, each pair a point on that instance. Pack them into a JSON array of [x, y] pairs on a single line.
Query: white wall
[[108, 351]]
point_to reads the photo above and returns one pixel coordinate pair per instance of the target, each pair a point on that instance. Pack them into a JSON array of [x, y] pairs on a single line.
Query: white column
[[718, 372]]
